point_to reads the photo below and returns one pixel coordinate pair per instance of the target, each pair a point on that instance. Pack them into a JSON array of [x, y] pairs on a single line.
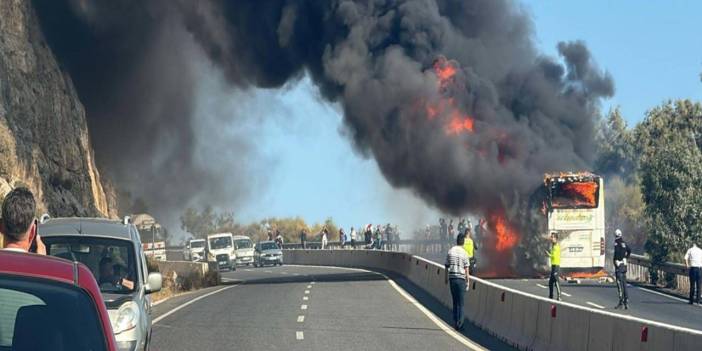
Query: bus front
[[576, 213]]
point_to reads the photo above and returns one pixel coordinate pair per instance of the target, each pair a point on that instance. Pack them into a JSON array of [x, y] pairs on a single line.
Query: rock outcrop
[[44, 139]]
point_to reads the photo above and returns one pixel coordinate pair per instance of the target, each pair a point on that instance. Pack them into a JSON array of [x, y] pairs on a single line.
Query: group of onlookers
[[369, 237]]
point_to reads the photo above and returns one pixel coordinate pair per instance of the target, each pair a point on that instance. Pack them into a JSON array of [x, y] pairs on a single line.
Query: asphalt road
[[644, 303], [305, 308]]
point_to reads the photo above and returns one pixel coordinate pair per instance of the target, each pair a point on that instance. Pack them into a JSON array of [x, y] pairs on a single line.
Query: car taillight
[[602, 246]]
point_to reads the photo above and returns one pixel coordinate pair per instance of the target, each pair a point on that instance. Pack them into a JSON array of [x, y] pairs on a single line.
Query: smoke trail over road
[[451, 98]]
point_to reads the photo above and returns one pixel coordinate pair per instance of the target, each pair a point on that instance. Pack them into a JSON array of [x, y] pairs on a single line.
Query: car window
[[45, 315], [244, 243], [197, 244], [220, 242], [269, 246], [110, 260]]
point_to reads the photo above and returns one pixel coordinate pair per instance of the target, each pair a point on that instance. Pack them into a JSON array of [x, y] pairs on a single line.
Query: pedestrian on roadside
[[457, 274], [18, 225], [279, 239], [555, 257], [470, 247], [378, 237], [342, 237], [693, 261], [368, 234], [324, 237], [353, 237], [303, 238], [621, 253]]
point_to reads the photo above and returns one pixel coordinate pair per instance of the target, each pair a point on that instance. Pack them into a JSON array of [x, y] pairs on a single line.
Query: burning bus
[[575, 209]]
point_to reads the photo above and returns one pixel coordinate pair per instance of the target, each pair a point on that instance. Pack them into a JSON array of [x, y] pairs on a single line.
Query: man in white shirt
[[693, 261], [18, 225], [457, 274]]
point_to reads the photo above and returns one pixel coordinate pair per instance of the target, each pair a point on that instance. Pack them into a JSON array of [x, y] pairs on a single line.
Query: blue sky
[[652, 49]]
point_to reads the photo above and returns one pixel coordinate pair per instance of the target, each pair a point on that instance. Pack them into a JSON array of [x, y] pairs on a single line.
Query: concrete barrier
[[525, 321]]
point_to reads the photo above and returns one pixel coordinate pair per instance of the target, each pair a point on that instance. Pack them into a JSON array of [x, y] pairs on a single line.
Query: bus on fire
[[575, 210]]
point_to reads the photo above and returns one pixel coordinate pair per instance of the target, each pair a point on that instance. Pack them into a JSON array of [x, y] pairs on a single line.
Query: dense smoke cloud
[[132, 64]]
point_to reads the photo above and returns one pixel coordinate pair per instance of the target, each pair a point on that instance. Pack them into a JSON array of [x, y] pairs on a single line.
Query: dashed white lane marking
[[303, 307], [305, 298], [300, 319], [542, 286], [309, 287], [312, 283], [296, 274], [283, 272], [307, 292], [247, 270], [269, 271], [566, 294], [595, 305], [161, 317], [299, 335]]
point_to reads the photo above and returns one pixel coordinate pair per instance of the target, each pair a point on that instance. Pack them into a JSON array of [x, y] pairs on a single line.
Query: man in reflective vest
[[469, 246], [555, 257]]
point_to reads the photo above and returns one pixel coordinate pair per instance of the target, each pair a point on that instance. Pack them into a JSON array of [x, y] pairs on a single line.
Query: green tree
[[615, 147], [668, 142], [199, 224], [625, 210]]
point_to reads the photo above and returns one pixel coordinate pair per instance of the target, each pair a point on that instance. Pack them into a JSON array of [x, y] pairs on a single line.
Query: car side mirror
[[154, 282]]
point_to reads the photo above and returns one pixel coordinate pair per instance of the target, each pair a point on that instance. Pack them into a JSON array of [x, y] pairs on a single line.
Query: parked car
[[244, 249], [267, 252], [221, 250], [47, 303], [113, 252], [195, 250]]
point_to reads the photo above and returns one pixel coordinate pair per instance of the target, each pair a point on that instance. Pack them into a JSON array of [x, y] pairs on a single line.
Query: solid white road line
[[662, 294], [299, 335], [595, 305], [542, 286], [303, 307], [439, 323], [269, 271], [305, 298], [300, 319], [161, 317]]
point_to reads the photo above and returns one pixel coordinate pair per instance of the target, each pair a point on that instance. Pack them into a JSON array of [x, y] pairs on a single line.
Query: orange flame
[[583, 192], [459, 124], [506, 236]]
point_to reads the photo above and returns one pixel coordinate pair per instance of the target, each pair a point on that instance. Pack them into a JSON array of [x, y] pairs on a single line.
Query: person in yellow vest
[[470, 247], [555, 257]]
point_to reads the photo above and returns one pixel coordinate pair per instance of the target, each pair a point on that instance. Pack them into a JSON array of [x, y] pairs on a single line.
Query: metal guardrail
[[639, 270]]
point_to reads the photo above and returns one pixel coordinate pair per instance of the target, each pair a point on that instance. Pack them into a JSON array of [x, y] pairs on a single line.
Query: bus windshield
[[583, 194]]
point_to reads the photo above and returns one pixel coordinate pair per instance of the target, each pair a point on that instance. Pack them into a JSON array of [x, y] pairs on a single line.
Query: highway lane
[[301, 308], [644, 303]]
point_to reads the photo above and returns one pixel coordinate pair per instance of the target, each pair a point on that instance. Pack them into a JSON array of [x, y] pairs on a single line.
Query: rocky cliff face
[[44, 141]]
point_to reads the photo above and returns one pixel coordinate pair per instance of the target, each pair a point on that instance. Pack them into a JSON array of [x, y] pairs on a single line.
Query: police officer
[[555, 257], [622, 251], [470, 247]]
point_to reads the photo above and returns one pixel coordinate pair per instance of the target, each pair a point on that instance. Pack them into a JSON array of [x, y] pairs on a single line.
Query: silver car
[[113, 252], [267, 252]]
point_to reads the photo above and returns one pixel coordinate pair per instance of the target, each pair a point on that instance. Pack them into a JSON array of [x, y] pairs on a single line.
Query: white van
[[221, 250], [196, 250], [244, 249]]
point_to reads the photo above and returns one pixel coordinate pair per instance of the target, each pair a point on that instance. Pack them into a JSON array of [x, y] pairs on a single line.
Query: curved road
[[306, 308]]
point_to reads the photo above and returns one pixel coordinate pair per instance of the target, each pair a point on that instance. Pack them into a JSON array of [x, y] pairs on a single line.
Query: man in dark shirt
[[622, 251], [303, 238]]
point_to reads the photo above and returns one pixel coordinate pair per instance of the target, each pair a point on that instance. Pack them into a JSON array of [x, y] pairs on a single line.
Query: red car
[[48, 303]]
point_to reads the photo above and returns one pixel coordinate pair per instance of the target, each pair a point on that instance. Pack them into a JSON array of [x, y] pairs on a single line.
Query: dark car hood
[[113, 301]]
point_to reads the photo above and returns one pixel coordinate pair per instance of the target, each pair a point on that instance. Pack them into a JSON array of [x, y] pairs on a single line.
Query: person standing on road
[[303, 238], [470, 247], [324, 237], [353, 237], [342, 237], [555, 258], [18, 225], [621, 253], [693, 261], [456, 275]]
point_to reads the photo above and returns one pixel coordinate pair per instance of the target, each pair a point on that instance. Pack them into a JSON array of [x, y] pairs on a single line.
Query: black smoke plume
[[132, 64]]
